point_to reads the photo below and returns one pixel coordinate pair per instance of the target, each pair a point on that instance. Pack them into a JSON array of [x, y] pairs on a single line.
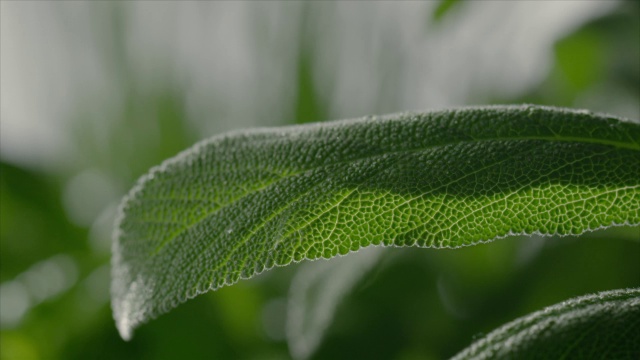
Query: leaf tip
[[125, 329]]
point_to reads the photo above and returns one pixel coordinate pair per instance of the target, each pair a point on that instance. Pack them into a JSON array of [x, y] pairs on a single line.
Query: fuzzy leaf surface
[[237, 204], [600, 326]]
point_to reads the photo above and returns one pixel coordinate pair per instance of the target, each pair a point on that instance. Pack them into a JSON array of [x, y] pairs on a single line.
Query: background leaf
[[315, 294], [238, 204], [604, 325]]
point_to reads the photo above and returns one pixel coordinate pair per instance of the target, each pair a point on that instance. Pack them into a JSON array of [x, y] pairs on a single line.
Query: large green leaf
[[240, 203], [599, 326]]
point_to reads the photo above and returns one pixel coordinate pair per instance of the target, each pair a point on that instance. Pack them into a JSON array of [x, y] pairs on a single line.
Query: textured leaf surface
[[600, 326], [237, 204]]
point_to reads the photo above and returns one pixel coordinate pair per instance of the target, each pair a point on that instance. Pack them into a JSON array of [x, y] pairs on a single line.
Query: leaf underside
[[237, 204], [599, 326]]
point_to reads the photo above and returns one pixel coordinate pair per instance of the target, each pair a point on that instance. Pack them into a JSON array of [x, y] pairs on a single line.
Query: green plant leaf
[[240, 203], [603, 326]]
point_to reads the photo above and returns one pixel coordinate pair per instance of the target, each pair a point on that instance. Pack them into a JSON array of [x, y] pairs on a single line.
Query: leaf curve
[[239, 203], [603, 326]]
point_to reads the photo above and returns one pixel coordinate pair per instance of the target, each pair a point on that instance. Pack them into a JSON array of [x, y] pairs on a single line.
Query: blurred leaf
[[444, 6], [581, 59], [602, 326], [400, 309], [16, 346], [315, 294], [596, 66], [34, 224], [238, 204], [308, 104]]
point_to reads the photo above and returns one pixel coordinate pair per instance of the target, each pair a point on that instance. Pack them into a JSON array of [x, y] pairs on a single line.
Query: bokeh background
[[95, 93]]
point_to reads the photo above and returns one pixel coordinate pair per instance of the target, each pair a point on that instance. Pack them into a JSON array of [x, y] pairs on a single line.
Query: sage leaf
[[600, 326], [240, 203]]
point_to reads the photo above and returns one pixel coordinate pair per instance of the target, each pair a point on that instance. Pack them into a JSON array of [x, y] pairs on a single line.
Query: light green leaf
[[240, 203], [600, 326]]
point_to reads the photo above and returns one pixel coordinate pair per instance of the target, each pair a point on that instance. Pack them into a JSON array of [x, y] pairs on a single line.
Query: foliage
[[604, 325], [102, 91], [238, 204]]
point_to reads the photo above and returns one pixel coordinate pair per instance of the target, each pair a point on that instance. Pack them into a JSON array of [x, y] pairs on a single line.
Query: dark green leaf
[[600, 326], [237, 204]]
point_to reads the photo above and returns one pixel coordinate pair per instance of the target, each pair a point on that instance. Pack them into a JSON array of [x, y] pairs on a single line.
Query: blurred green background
[[95, 93]]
